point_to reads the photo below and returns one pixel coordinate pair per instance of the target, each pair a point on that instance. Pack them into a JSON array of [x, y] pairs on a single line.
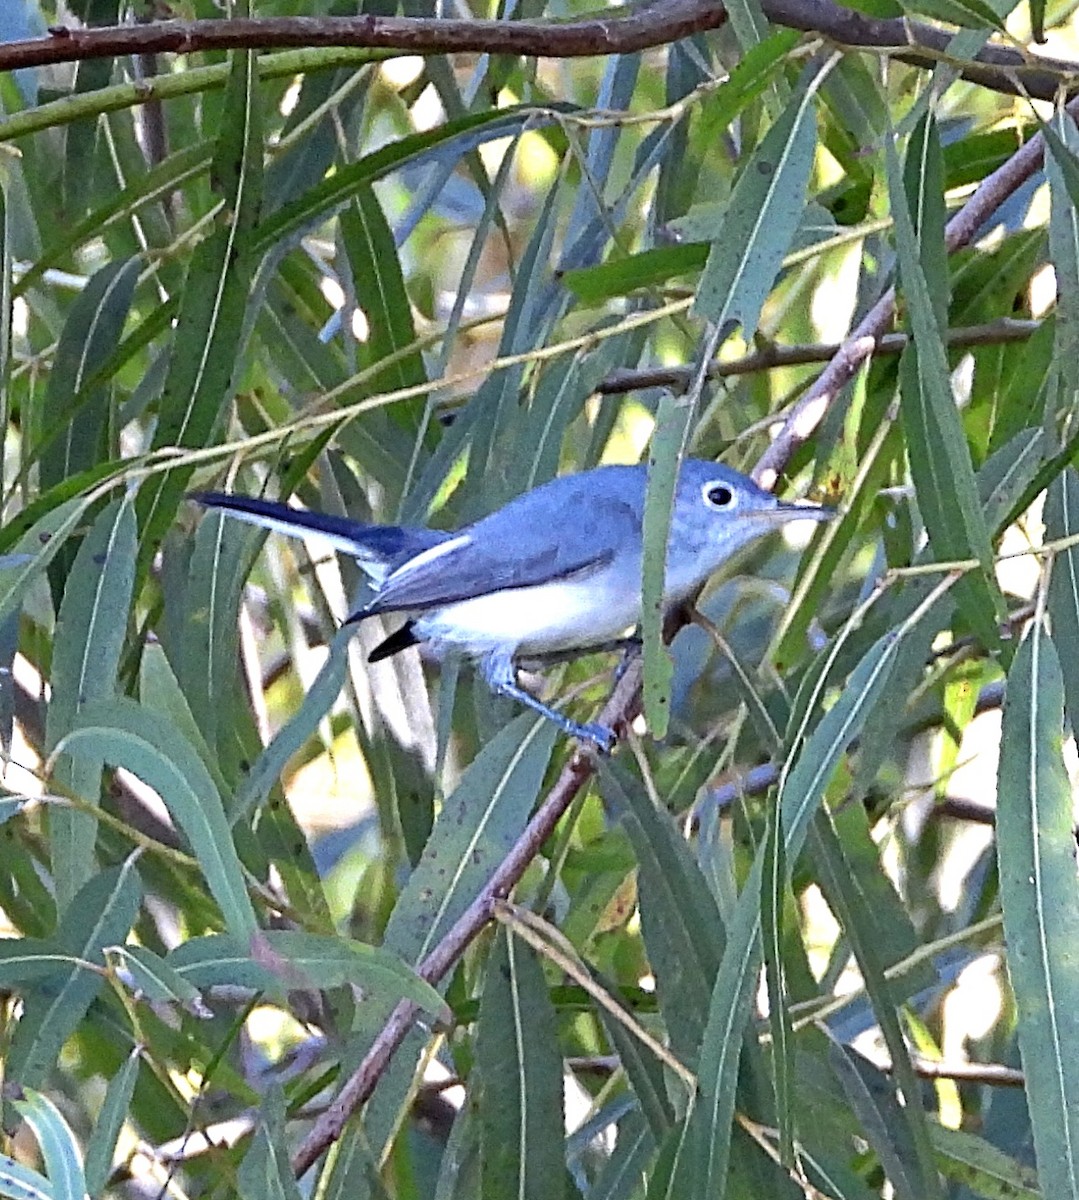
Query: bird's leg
[[549, 658], [501, 677], [630, 647]]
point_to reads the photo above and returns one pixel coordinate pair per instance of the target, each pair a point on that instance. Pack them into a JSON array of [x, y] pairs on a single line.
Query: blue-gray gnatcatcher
[[556, 569]]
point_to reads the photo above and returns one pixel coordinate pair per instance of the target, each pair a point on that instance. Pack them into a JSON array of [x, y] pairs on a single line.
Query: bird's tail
[[377, 548]]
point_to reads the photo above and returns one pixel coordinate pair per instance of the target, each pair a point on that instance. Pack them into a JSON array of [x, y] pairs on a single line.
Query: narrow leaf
[[1040, 902], [664, 459], [762, 219], [73, 415], [939, 456], [286, 958], [148, 975], [474, 831], [982, 1167], [124, 734], [101, 1148], [729, 1011], [1062, 521], [86, 656], [101, 915], [265, 1173], [520, 1110], [59, 1149], [23, 1183], [875, 1101], [210, 325]]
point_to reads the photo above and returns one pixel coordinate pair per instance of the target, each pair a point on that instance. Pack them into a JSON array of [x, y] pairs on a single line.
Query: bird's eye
[[718, 495]]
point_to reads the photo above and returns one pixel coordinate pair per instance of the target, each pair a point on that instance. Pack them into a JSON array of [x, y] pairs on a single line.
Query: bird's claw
[[600, 736]]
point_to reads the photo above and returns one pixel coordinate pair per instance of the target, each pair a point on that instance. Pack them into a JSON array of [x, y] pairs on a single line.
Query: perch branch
[[620, 709]]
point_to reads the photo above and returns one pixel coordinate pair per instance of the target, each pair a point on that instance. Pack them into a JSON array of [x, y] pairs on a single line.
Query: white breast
[[535, 620]]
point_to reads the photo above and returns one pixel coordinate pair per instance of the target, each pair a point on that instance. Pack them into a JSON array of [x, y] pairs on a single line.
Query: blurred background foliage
[[764, 956]]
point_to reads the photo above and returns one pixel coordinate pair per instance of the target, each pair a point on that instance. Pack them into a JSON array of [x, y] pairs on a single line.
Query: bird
[[557, 569]]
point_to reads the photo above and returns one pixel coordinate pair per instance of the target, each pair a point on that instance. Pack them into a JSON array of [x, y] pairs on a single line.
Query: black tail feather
[[399, 640]]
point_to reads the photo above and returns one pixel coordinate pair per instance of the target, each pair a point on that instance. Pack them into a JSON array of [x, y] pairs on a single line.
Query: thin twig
[[548, 941], [769, 357], [758, 780], [804, 416], [992, 1074]]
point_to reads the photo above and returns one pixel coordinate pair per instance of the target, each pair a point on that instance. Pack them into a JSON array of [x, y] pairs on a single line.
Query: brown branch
[[633, 29], [804, 416], [620, 709], [1000, 68], [760, 779], [769, 357], [992, 1074]]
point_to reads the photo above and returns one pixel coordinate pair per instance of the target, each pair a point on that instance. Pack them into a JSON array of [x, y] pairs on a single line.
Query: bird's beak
[[783, 513]]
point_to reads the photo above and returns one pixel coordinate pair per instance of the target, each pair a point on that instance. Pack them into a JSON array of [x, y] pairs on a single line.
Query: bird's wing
[[377, 548], [513, 548]]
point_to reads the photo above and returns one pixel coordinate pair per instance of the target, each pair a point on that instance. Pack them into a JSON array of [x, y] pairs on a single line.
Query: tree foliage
[[272, 914]]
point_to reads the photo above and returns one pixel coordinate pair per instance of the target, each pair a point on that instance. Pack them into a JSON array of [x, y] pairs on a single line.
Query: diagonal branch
[[804, 416], [618, 712]]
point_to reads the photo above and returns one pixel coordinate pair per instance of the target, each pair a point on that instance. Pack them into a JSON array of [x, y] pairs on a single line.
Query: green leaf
[[286, 959], [664, 459], [1063, 174], [59, 1149], [87, 647], [761, 221], [380, 292], [862, 927], [26, 960], [22, 1183], [773, 897], [101, 915], [101, 1147], [35, 550], [522, 1128], [160, 691], [456, 135], [265, 1173], [210, 327], [166, 177], [206, 650], [939, 457], [1040, 902], [148, 975], [969, 14], [705, 1171], [1037, 20], [981, 1167], [923, 179], [351, 1170], [123, 733], [1062, 521], [318, 698], [621, 276], [473, 833], [683, 931], [874, 1099], [73, 414]]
